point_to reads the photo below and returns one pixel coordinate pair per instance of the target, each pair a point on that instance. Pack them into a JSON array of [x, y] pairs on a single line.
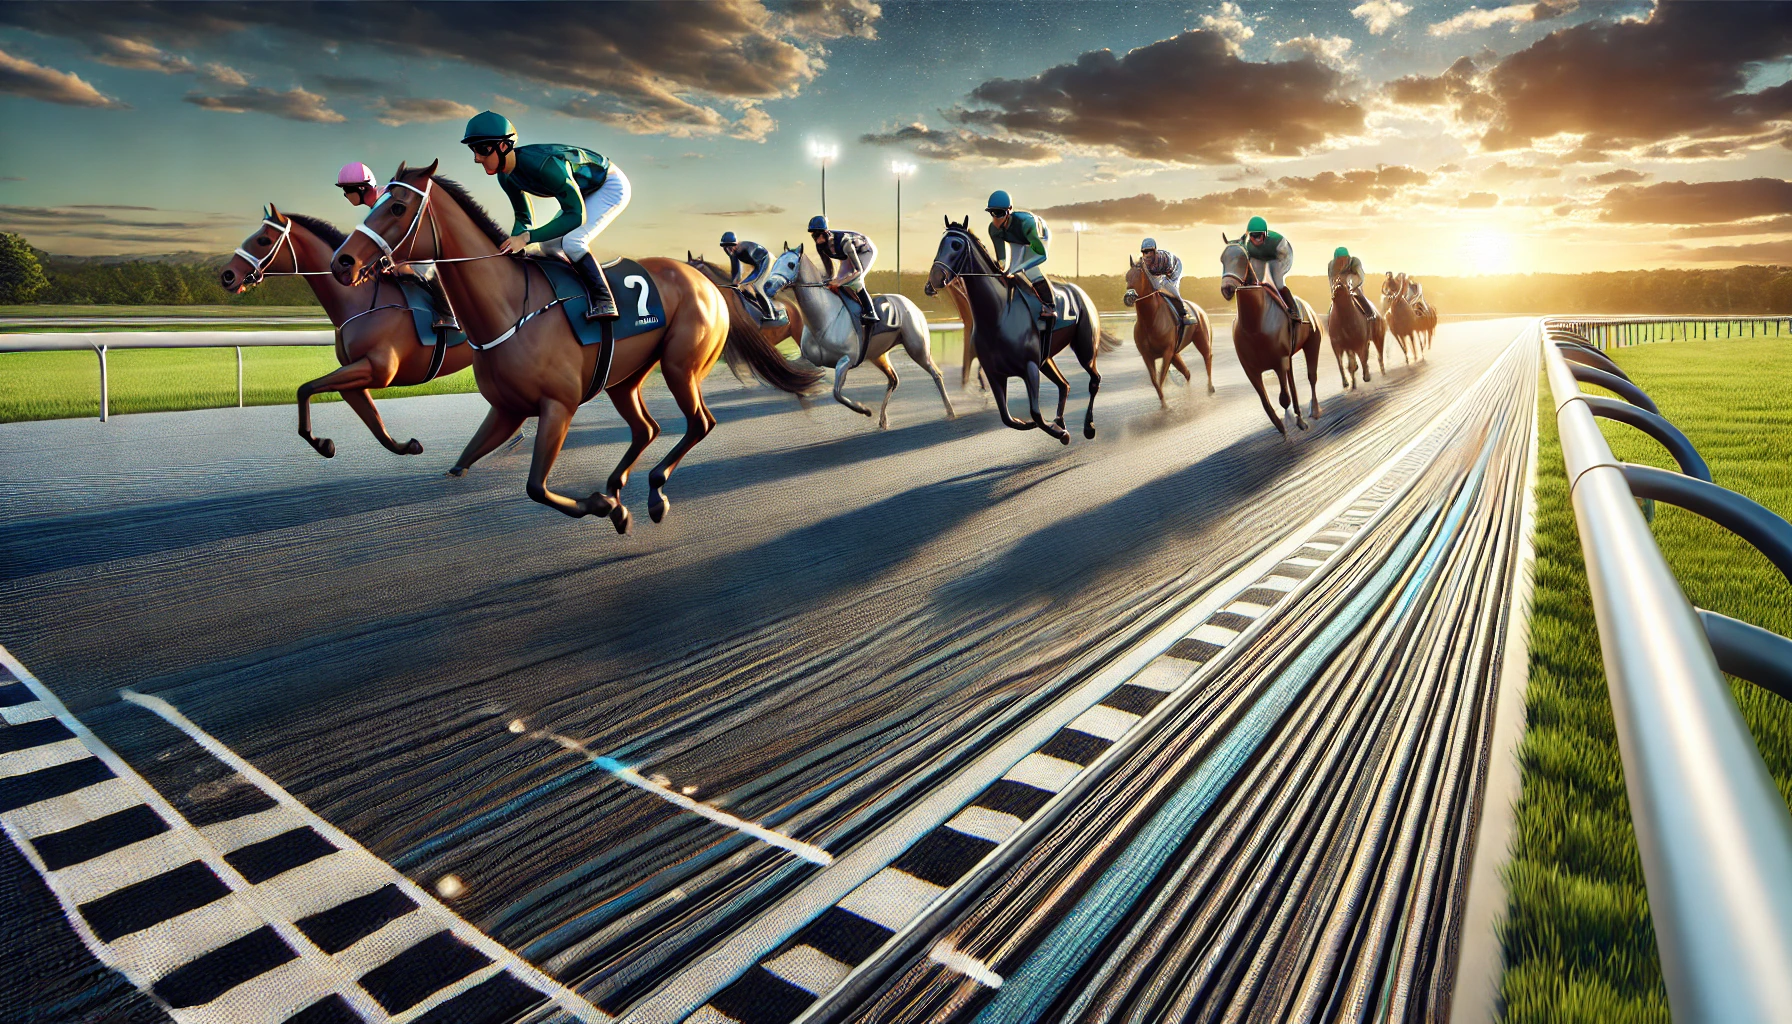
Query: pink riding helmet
[[359, 173]]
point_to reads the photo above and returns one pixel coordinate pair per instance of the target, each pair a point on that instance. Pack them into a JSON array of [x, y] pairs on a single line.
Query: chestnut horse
[[376, 335], [1160, 334], [1350, 331], [739, 316], [1402, 321], [1266, 337], [529, 364]]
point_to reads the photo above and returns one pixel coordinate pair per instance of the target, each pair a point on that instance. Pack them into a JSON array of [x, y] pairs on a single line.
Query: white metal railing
[[1604, 332], [1712, 829]]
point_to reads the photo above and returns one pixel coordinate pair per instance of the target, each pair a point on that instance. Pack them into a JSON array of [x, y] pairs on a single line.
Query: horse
[[1006, 335], [1266, 337], [835, 337], [968, 352], [1398, 312], [1427, 324], [376, 335], [1160, 334], [1351, 332], [739, 313], [528, 364]]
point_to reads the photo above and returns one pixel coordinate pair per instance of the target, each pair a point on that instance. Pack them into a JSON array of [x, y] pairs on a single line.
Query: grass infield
[[1578, 942]]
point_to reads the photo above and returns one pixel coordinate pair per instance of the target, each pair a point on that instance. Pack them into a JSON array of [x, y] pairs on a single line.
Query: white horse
[[833, 335]]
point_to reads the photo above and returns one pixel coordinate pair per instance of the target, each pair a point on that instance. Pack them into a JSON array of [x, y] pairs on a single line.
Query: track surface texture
[[611, 755]]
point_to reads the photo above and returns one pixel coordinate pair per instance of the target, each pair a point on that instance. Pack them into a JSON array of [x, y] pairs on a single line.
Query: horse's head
[[390, 232], [1388, 287], [956, 255], [259, 252], [1235, 270], [786, 270]]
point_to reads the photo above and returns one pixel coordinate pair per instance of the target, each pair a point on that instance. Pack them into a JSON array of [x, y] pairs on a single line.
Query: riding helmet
[[1340, 252], [1257, 224], [817, 223], [998, 200], [1148, 245], [729, 239], [487, 125]]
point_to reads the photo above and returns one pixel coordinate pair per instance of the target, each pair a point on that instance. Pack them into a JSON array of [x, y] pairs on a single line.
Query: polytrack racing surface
[[830, 621]]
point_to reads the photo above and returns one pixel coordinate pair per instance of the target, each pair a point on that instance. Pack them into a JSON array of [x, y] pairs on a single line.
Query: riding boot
[[867, 312], [1048, 305], [1182, 307], [603, 303], [1294, 310], [1363, 303], [445, 319]]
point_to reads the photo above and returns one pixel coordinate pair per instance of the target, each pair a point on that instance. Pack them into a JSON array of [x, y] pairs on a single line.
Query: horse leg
[[498, 427], [917, 345], [1268, 410], [550, 434], [1053, 429], [999, 387], [1084, 347], [882, 362], [1294, 388], [1343, 378], [626, 397], [1056, 376], [1152, 369], [355, 376], [687, 390], [840, 369], [1181, 367], [362, 403]]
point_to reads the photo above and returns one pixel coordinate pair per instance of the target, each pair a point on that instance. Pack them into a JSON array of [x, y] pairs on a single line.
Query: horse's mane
[[326, 232], [471, 206]]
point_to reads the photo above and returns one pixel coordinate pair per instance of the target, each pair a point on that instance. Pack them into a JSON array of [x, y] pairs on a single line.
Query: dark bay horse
[[1160, 334], [1006, 337], [1266, 337], [376, 335], [533, 365], [1350, 331]]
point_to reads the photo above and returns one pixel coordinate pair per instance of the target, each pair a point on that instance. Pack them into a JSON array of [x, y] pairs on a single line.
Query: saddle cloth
[[1069, 310], [637, 298], [780, 316], [889, 315], [423, 311]]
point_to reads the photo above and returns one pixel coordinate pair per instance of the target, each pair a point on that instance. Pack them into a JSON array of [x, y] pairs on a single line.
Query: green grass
[[1578, 941]]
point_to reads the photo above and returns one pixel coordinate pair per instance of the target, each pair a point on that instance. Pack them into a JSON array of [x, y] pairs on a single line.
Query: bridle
[[951, 269], [390, 259], [258, 265]]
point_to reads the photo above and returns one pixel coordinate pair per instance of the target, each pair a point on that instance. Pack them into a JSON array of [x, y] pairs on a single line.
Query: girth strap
[[606, 355]]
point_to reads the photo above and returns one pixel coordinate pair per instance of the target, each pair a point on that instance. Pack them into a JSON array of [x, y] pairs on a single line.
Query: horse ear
[[274, 214], [947, 219], [688, 258], [403, 166], [433, 164]]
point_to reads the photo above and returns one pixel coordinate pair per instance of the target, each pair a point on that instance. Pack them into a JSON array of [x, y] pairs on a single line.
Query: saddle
[[889, 315], [1069, 311], [423, 311], [1275, 295], [779, 316], [637, 298]]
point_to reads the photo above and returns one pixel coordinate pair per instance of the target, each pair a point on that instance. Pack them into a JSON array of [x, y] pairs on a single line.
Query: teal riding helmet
[[489, 124], [998, 200], [1257, 224], [1340, 252]]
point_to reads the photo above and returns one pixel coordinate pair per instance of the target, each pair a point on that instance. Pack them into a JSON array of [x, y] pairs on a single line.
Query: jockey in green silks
[[1349, 269], [1271, 258], [1025, 237], [590, 189], [360, 188]]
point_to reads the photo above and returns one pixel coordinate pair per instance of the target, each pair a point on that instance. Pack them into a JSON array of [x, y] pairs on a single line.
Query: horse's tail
[[1109, 340], [747, 347]]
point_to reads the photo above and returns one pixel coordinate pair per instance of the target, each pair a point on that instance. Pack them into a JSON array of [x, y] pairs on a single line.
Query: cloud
[[1699, 202], [1756, 252], [355, 85], [1148, 211], [1177, 100], [411, 110], [114, 228], [34, 81], [753, 210], [1478, 201], [1621, 176], [1677, 82], [1773, 225], [959, 144], [633, 66], [1503, 173], [138, 55], [501, 100], [1514, 15], [1379, 15], [1229, 22], [293, 105], [1332, 50], [224, 74], [1353, 186]]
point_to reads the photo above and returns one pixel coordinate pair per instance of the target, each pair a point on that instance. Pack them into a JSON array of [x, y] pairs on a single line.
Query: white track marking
[[1108, 723], [500, 954], [1043, 771], [1246, 609], [890, 898], [681, 994], [984, 823], [23, 762], [812, 854], [78, 808], [942, 953], [808, 968], [1221, 635], [32, 712]]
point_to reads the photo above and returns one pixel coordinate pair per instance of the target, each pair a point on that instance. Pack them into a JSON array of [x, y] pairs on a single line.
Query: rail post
[[239, 376], [105, 402]]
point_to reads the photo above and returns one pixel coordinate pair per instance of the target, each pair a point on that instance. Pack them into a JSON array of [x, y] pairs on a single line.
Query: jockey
[[1271, 254], [1025, 236], [1165, 268], [755, 258], [591, 192], [1415, 295], [855, 254], [1349, 269], [360, 188]]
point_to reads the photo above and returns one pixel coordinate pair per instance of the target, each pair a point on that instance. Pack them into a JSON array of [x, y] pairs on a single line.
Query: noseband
[[390, 259], [257, 265]]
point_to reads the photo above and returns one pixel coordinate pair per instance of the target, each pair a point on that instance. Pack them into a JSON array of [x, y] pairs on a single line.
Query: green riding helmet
[[1257, 224], [487, 125], [1340, 252], [998, 200]]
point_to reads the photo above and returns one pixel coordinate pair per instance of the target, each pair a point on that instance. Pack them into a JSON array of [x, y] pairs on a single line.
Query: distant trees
[[21, 276]]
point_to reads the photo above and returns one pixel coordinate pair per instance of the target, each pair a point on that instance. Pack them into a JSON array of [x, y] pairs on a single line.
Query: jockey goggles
[[352, 187], [486, 147]]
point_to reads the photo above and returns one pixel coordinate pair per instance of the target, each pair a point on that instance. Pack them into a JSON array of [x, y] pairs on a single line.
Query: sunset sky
[[1448, 138]]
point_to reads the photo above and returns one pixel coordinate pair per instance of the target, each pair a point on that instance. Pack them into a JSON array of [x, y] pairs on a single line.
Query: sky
[[1437, 137]]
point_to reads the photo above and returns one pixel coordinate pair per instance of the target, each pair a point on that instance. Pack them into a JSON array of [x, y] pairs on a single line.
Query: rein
[[258, 266]]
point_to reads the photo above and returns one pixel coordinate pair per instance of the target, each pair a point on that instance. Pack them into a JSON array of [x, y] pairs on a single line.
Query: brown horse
[[528, 364], [1160, 334], [1266, 337], [376, 335], [739, 316], [962, 299], [1427, 325], [1350, 330], [1398, 312]]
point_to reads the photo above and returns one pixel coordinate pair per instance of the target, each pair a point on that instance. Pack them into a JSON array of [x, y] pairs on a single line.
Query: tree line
[[28, 275]]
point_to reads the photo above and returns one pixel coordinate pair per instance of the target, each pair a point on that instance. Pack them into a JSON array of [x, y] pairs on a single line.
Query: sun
[[1489, 251]]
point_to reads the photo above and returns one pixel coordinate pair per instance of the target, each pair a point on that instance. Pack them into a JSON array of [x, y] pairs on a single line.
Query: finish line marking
[[808, 852]]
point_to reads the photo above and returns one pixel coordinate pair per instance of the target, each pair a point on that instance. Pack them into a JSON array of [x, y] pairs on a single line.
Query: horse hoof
[[656, 506], [621, 519], [1089, 431], [457, 472], [413, 447], [326, 448], [1301, 424]]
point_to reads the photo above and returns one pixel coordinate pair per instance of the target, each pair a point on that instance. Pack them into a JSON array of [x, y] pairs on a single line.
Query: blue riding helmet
[[998, 200], [489, 125], [817, 223], [729, 239], [1148, 245]]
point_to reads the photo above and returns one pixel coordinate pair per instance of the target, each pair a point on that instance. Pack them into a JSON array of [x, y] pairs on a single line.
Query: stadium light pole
[[901, 170], [824, 151], [1078, 226]]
